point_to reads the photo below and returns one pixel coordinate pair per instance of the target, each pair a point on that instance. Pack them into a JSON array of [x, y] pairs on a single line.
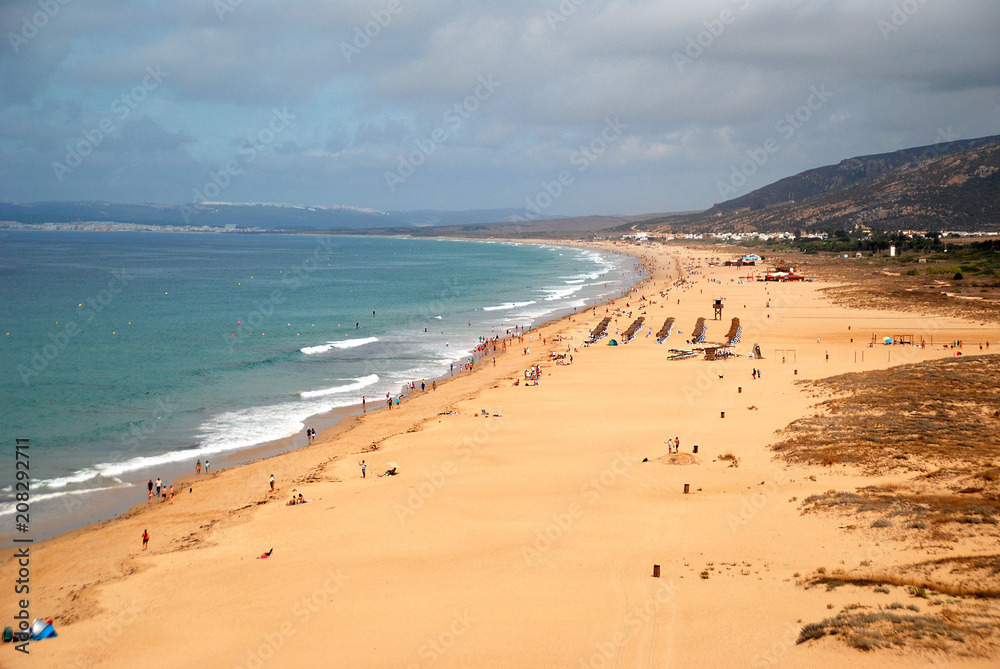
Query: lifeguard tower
[[718, 309]]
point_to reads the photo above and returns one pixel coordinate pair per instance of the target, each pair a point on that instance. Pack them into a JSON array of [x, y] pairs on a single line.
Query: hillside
[[959, 190], [846, 173]]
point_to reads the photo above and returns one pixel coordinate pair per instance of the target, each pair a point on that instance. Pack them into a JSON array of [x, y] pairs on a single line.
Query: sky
[[556, 107]]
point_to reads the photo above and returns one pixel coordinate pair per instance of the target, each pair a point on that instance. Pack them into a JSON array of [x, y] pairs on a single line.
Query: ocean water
[[128, 356]]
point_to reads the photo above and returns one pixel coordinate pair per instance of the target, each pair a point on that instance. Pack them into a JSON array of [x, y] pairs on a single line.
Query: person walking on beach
[[145, 539], [364, 468], [150, 495], [197, 467], [206, 468], [172, 490], [272, 482], [363, 408], [159, 484]]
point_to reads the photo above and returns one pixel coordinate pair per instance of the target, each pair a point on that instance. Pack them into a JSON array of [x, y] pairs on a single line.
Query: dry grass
[[899, 508], [732, 459], [920, 586], [936, 424], [965, 588], [961, 629], [882, 283], [937, 418]]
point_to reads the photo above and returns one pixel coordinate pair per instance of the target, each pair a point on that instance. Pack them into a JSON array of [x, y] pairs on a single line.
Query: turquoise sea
[[129, 356]]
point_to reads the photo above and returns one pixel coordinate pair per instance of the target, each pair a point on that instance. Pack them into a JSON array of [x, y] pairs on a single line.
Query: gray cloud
[[697, 83]]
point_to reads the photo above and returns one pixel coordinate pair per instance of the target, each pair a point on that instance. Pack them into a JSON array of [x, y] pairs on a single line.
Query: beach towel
[[43, 630]]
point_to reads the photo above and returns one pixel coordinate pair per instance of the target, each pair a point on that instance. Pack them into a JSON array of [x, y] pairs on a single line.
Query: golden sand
[[526, 539]]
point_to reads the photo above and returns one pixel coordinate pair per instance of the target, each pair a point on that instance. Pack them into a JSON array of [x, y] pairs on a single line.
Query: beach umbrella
[[887, 340]]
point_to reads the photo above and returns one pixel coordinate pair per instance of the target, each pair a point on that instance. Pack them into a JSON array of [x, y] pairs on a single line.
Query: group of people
[[197, 466], [674, 445], [755, 373], [167, 494]]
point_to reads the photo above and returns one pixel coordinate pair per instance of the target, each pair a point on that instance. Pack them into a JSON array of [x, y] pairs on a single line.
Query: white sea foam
[[345, 343], [352, 343], [357, 384], [560, 293], [228, 431], [508, 305], [313, 350], [9, 508]]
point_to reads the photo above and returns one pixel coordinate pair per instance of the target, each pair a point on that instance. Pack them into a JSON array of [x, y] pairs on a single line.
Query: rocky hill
[[954, 186]]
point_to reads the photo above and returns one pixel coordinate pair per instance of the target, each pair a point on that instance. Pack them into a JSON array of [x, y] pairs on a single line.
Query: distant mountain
[[834, 178], [949, 186], [263, 216]]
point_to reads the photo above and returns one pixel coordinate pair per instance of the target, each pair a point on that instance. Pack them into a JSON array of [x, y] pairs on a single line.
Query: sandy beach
[[525, 521]]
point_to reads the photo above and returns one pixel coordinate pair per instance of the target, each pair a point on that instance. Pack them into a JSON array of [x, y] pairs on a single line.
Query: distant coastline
[[104, 226]]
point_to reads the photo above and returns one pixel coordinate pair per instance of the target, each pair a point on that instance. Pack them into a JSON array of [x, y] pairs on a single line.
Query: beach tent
[[43, 630], [887, 340], [613, 342]]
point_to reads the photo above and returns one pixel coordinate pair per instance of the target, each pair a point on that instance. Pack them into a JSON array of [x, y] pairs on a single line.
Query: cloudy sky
[[577, 107]]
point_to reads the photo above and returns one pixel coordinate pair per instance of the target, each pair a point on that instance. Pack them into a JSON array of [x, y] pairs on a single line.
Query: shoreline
[[538, 526], [107, 505]]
